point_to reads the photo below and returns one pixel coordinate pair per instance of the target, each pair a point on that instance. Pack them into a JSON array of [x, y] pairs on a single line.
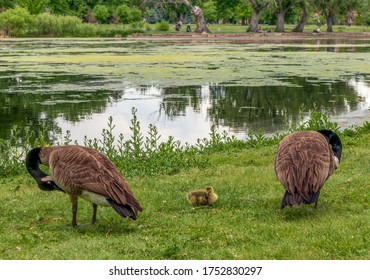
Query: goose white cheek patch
[[336, 162], [46, 178]]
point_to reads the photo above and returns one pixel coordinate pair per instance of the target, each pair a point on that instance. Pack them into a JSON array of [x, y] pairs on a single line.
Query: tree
[[330, 8], [136, 14], [304, 6], [5, 4], [101, 13], [199, 18], [78, 8], [226, 9], [34, 6], [123, 13], [59, 7], [257, 7], [243, 11], [281, 8], [15, 21], [363, 10], [153, 15], [210, 11]]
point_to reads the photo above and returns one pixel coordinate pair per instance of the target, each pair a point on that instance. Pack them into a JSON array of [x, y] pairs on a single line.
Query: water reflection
[[64, 90], [187, 113]]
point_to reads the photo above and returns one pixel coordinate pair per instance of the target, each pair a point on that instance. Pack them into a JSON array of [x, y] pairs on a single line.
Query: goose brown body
[[85, 172], [304, 161]]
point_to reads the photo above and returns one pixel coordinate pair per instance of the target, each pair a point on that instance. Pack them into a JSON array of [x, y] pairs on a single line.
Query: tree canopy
[[251, 12]]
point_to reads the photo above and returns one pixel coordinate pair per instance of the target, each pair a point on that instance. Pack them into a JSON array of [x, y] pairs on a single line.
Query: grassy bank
[[245, 223], [237, 29]]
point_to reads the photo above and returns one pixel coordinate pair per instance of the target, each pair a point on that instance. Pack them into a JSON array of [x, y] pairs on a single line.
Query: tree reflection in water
[[188, 112]]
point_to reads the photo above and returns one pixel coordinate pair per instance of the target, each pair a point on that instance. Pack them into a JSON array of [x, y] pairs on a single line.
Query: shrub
[[101, 13], [85, 30], [135, 14], [16, 22], [162, 25], [19, 23], [69, 25], [123, 13], [153, 15], [138, 25], [46, 25]]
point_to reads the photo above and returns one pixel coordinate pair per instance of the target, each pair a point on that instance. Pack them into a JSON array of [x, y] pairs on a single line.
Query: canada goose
[[304, 161], [83, 172], [202, 197]]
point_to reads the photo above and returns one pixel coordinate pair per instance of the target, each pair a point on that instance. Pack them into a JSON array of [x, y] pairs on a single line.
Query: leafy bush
[[16, 22], [135, 14], [101, 13], [162, 25], [123, 13], [85, 30], [137, 25], [19, 23], [46, 25], [68, 25], [153, 15]]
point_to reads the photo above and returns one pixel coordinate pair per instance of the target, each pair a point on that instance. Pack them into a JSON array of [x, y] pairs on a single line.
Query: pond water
[[182, 88]]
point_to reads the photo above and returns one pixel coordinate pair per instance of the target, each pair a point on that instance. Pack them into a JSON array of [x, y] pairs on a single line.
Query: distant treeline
[[60, 15], [227, 11]]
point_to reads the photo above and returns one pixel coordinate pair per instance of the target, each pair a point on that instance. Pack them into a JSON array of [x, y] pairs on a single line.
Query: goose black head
[[334, 141], [48, 185], [44, 181]]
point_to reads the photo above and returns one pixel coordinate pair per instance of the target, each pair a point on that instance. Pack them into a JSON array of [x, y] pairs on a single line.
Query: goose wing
[[303, 162], [77, 169]]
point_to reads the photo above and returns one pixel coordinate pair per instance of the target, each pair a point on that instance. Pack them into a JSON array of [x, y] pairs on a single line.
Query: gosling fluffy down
[[202, 197]]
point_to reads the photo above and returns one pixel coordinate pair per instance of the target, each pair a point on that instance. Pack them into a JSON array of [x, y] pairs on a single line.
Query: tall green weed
[[19, 22], [149, 155]]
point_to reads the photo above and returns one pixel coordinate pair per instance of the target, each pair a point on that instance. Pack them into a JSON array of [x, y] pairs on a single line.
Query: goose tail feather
[[123, 210], [296, 199]]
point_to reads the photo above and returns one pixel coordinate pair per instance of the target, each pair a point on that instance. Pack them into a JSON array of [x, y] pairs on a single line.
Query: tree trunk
[[280, 21], [199, 20], [256, 9], [329, 21], [280, 16], [302, 22], [254, 21]]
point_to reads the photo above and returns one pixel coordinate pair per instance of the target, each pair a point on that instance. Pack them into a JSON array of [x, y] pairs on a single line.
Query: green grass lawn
[[245, 223], [237, 28]]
